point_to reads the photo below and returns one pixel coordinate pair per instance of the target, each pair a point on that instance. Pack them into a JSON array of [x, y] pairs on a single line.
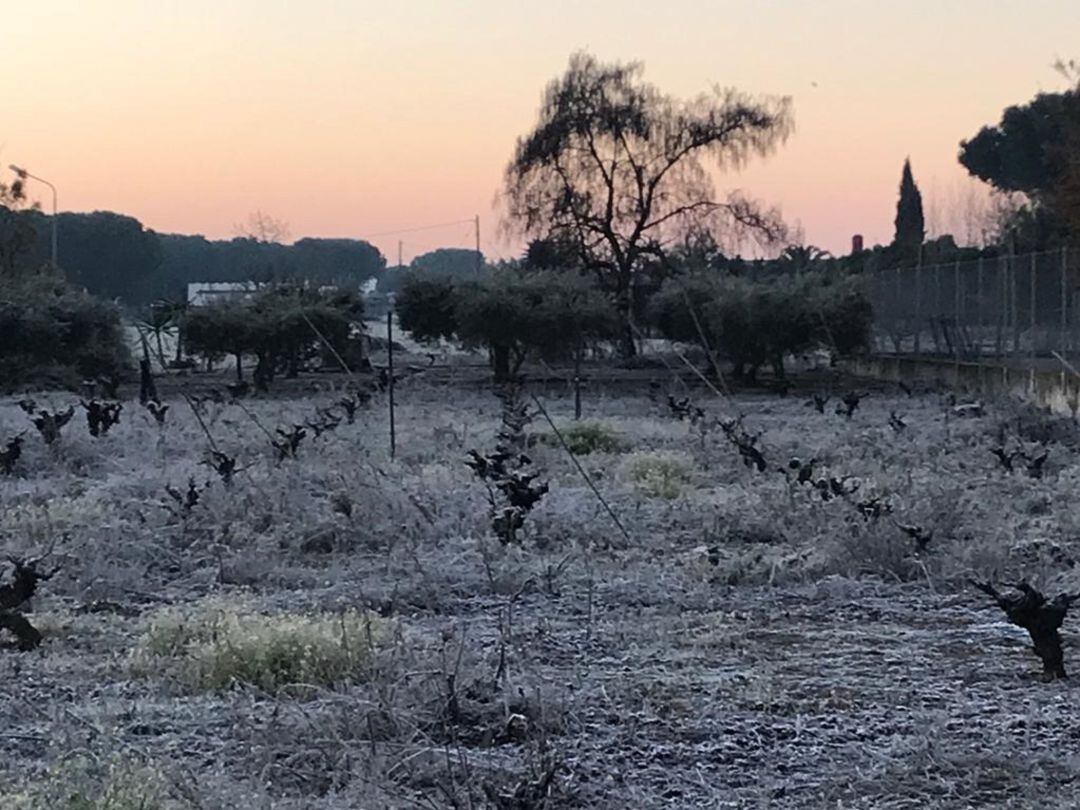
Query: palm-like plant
[[161, 318], [800, 259]]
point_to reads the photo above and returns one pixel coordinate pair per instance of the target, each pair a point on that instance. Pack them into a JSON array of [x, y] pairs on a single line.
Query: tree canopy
[[115, 257], [1028, 149], [283, 326], [54, 335], [1032, 151], [513, 314], [616, 168], [17, 232], [751, 323]]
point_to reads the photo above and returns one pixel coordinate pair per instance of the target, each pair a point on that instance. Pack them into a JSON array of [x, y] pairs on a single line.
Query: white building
[[201, 293]]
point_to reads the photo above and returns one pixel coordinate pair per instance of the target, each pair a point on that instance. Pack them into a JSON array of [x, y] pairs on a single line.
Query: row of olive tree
[[284, 326], [514, 315], [757, 323], [517, 314]]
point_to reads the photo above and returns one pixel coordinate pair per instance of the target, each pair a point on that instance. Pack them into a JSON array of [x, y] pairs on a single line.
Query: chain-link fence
[[1015, 310]]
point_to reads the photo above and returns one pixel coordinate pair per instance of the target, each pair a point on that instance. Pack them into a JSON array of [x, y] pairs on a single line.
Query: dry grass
[[84, 783], [216, 645], [659, 474]]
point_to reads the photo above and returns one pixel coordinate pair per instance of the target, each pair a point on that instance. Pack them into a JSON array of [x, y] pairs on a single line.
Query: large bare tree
[[618, 169], [263, 228]]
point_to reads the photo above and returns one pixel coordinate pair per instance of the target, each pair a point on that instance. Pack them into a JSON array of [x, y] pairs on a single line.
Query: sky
[[359, 118]]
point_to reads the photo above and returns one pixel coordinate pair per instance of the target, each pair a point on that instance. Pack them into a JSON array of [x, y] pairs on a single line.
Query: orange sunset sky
[[355, 118]]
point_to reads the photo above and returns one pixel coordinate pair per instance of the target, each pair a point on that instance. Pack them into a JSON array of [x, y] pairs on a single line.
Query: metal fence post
[[956, 317], [1001, 310], [1032, 303], [1063, 337], [979, 308], [935, 318], [918, 305], [898, 320], [1014, 307]]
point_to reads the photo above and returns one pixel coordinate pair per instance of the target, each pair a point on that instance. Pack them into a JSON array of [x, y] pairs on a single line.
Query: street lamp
[[23, 175]]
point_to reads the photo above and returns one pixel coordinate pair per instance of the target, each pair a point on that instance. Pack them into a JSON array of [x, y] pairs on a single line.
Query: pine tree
[[910, 227]]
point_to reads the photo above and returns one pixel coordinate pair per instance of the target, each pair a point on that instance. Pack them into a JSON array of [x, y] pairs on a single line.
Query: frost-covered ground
[[745, 644]]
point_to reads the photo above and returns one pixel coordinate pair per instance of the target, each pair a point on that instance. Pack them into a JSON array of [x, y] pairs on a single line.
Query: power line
[[419, 228]]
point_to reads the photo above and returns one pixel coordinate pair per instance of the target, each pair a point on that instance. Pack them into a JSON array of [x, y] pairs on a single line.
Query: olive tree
[[284, 326], [754, 323], [513, 315]]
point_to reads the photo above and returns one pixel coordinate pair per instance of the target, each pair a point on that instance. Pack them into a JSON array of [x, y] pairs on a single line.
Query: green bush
[[218, 645], [53, 335], [659, 475], [584, 438]]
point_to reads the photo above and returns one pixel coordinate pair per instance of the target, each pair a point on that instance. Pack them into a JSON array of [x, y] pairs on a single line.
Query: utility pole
[[399, 254]]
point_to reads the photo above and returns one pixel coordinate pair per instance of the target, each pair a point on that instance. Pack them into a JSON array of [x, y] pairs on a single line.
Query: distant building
[[202, 293], [856, 243]]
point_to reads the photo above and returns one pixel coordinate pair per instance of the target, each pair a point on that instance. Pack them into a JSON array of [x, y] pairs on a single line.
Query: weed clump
[[659, 475], [218, 646], [584, 438]]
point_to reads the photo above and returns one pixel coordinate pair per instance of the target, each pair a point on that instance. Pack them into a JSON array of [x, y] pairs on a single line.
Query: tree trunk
[[778, 366], [625, 306], [627, 345], [500, 359], [147, 389], [239, 367], [264, 373]]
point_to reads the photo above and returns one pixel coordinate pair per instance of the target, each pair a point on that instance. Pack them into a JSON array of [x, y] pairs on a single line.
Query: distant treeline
[[113, 256]]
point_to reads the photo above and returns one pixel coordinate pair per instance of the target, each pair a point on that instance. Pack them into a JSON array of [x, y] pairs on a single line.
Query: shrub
[[217, 645], [510, 313], [54, 335], [584, 438], [283, 325], [751, 323], [82, 783], [659, 475], [425, 308]]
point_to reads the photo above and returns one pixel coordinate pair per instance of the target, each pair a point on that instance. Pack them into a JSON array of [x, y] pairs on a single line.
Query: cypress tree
[[910, 227]]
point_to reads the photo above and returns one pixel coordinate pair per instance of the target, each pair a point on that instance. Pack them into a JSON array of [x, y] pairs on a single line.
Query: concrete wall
[[1057, 391]]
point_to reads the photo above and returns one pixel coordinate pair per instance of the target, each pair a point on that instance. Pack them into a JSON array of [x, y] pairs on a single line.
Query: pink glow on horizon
[[347, 119]]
